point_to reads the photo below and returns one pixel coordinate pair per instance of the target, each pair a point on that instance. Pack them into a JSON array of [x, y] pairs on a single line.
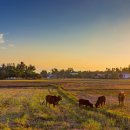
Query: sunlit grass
[[23, 109]]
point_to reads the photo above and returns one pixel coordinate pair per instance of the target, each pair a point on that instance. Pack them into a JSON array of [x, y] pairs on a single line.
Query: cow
[[121, 98], [85, 102], [101, 101], [53, 100]]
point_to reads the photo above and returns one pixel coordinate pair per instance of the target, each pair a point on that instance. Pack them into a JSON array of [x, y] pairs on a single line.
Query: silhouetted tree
[[43, 73]]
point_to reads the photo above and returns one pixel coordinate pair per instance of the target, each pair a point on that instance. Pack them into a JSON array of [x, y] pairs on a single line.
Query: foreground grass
[[22, 109], [109, 119]]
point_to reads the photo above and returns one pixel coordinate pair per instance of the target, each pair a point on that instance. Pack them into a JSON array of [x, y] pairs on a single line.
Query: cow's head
[[91, 105], [97, 105], [59, 98]]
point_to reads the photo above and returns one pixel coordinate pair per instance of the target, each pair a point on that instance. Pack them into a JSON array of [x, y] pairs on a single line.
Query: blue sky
[[65, 33]]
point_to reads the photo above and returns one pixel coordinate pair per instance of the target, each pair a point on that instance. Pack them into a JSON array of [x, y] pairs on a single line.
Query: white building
[[125, 75], [100, 75], [74, 73], [51, 76]]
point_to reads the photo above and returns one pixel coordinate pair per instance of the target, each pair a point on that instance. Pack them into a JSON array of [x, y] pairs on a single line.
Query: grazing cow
[[121, 98], [53, 100], [85, 102], [101, 101]]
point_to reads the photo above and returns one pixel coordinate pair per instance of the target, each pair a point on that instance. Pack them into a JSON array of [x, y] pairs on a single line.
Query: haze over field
[[82, 34]]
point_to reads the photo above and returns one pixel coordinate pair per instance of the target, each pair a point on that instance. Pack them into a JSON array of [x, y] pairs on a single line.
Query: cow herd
[[54, 100]]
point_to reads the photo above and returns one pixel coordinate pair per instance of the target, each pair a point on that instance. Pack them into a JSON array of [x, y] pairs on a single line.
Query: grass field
[[21, 105]]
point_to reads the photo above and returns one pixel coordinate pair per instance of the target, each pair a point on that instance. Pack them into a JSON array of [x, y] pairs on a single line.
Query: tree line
[[20, 70], [109, 73], [23, 71]]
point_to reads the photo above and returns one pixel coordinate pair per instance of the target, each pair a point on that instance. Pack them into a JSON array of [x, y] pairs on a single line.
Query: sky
[[81, 34]]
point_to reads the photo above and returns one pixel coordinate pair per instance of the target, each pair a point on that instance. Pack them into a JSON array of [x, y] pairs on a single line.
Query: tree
[[3, 73], [68, 72], [21, 68], [61, 74], [11, 70], [43, 73], [55, 72], [29, 72]]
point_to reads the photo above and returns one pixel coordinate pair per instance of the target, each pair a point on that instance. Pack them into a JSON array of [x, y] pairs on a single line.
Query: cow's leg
[[46, 103], [119, 101], [123, 103]]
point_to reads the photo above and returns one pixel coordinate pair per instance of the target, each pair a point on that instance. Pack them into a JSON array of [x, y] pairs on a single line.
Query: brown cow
[[101, 101], [85, 102], [121, 98], [53, 100]]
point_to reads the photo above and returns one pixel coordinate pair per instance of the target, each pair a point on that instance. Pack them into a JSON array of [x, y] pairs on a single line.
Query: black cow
[[101, 101], [85, 102], [53, 100]]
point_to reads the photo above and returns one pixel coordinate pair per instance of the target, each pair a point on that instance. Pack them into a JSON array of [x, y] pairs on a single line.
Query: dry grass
[[21, 108]]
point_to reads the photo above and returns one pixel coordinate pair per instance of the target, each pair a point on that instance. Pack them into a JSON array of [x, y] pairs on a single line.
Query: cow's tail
[[42, 102]]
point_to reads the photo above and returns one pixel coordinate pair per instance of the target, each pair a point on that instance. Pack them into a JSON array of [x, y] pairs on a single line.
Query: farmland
[[21, 106]]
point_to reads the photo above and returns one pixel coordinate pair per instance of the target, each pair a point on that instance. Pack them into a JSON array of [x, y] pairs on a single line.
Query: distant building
[[74, 73], [125, 75], [51, 76], [100, 75], [13, 78]]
